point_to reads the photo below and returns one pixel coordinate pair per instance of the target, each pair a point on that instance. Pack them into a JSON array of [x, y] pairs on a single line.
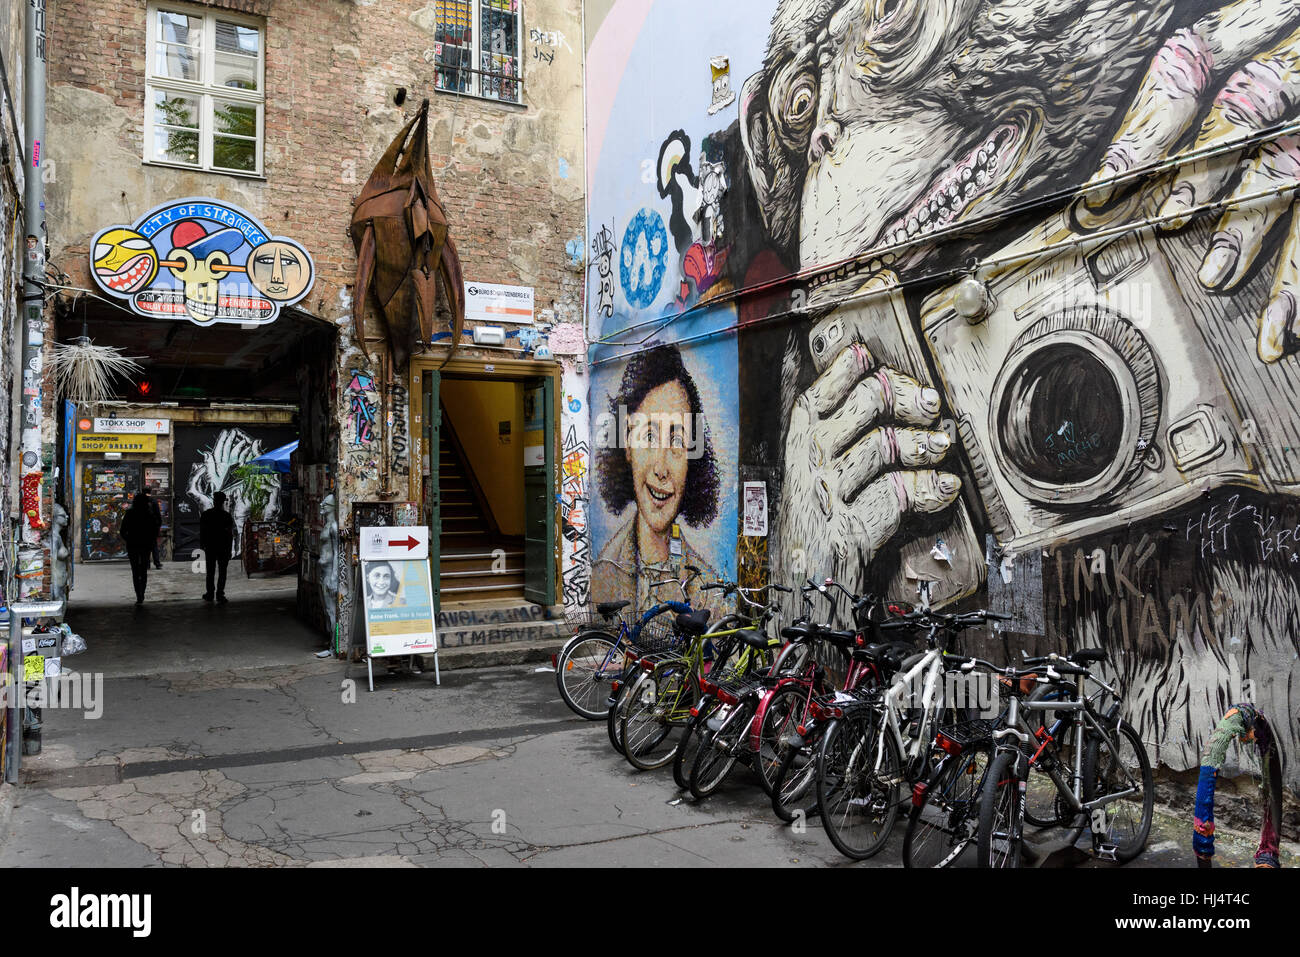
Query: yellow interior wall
[[475, 408]]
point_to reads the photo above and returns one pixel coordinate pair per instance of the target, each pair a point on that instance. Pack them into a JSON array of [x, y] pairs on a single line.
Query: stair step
[[483, 591]]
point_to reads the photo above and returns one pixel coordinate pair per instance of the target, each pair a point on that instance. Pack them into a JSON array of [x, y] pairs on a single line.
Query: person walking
[[157, 514], [139, 530], [216, 538]]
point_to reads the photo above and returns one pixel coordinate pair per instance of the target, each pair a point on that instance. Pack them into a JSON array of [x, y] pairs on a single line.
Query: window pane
[[176, 62], [179, 48], [498, 49], [237, 38], [175, 109], [176, 146], [454, 35], [235, 71], [231, 153], [235, 118]]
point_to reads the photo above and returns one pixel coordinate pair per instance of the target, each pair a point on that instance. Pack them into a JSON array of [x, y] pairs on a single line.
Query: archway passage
[[209, 401]]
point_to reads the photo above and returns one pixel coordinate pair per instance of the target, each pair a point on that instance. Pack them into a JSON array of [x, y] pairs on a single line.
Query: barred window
[[204, 94], [477, 48]]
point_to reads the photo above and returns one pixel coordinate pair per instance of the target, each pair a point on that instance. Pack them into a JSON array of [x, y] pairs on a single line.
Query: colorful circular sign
[[201, 260]]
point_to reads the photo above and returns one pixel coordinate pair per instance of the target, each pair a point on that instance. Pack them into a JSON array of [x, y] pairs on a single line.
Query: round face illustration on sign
[[124, 260], [199, 259], [280, 270]]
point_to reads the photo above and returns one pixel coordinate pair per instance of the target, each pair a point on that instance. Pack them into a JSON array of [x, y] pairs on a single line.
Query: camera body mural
[[998, 296]]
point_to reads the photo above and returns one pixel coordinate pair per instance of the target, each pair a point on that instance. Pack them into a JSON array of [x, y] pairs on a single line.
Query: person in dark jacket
[[139, 530], [157, 514], [216, 538]]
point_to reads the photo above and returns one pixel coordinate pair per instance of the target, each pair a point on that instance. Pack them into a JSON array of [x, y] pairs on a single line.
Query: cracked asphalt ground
[[270, 767]]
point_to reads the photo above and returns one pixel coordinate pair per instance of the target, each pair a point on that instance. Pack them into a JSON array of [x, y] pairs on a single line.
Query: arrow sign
[[401, 542]]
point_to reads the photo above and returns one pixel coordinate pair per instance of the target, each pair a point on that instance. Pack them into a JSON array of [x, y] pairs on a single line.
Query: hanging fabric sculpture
[[1242, 721], [400, 231]]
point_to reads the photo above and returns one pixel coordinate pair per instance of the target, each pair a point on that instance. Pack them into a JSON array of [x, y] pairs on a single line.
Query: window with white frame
[[477, 46], [204, 94]]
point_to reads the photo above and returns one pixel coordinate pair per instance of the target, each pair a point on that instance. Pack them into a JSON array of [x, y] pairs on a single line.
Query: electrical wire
[[957, 272], [972, 225]]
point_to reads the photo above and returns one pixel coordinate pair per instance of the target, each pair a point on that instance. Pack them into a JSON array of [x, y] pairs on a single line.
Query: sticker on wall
[[723, 94], [202, 260]]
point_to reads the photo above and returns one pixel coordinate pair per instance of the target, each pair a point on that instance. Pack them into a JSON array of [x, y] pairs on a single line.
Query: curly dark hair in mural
[[697, 498]]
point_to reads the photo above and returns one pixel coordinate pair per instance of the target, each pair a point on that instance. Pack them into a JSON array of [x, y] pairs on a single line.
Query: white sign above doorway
[[489, 302]]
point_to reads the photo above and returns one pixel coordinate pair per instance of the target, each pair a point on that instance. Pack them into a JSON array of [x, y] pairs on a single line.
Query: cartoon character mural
[[974, 307], [202, 260]]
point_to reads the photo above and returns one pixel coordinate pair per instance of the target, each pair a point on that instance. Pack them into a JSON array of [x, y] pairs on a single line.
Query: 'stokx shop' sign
[[202, 260]]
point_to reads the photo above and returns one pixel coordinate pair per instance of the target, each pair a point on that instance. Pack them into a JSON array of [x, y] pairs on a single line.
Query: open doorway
[[490, 437]]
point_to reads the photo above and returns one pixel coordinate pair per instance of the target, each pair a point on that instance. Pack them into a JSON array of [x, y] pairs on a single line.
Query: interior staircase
[[468, 541]]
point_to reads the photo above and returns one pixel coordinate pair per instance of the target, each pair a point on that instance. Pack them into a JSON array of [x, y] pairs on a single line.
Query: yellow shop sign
[[117, 443]]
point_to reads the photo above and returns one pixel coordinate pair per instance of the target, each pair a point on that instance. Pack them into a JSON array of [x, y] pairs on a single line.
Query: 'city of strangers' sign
[[202, 260]]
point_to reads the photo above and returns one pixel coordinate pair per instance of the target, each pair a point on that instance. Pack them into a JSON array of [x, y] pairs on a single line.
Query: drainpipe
[[32, 330]]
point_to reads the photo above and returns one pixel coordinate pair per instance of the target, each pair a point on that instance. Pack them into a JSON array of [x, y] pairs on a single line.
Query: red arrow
[[410, 542]]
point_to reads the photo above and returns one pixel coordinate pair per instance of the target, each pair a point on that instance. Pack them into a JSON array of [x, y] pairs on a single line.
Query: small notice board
[[397, 594]]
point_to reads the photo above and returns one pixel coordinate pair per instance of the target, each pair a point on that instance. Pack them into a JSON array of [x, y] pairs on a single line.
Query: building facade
[[230, 122], [996, 297]]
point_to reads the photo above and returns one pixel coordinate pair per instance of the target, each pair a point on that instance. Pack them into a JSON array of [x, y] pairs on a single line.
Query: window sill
[[212, 172], [480, 98]]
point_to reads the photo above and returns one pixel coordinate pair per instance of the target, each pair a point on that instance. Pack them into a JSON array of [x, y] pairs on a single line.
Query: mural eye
[[801, 102]]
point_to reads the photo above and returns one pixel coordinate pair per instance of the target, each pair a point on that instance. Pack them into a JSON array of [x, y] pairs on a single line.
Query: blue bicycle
[[592, 662]]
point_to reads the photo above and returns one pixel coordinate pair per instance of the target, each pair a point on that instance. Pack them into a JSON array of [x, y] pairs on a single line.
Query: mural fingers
[[1181, 72], [1277, 327], [1239, 237], [881, 448], [1260, 95], [841, 376], [878, 513]]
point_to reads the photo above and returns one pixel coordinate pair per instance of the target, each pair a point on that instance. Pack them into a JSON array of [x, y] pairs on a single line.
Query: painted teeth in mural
[[201, 260]]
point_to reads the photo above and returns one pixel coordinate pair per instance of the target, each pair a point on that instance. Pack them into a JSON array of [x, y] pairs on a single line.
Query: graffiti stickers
[[202, 260]]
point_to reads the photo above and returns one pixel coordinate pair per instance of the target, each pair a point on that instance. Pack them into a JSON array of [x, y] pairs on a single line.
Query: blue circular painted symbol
[[575, 405], [644, 258]]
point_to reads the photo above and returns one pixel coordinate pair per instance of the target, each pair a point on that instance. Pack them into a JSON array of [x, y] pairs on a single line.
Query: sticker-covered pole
[[33, 323]]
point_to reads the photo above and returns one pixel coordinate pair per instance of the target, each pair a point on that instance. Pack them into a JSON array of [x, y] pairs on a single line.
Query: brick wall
[[511, 177]]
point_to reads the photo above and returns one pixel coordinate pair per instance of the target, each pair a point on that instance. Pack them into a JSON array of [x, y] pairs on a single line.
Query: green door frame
[[426, 374]]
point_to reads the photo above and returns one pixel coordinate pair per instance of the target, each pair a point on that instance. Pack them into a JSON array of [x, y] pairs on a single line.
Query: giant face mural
[[1114, 413]]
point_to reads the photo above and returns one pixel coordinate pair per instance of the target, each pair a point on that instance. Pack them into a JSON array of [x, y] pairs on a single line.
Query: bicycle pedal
[[1106, 852]]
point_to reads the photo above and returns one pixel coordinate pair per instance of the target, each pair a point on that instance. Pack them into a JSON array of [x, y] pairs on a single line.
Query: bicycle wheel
[[583, 670], [656, 704], [794, 789], [943, 825], [689, 746], [1110, 770], [997, 840], [614, 713], [720, 749], [859, 803], [785, 709]]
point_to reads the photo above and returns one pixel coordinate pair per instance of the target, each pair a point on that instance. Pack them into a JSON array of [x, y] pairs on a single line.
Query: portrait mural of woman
[[658, 473]]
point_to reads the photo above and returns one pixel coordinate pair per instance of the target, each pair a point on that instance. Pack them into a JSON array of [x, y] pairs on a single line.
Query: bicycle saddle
[[754, 639], [800, 632], [694, 622], [607, 608]]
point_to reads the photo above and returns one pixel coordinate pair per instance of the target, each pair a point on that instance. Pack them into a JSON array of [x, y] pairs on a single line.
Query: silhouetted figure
[[216, 538], [157, 514], [139, 530]]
